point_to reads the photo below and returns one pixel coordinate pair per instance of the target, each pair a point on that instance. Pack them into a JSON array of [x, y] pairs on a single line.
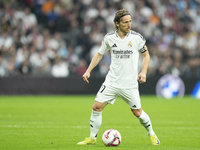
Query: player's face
[[125, 24]]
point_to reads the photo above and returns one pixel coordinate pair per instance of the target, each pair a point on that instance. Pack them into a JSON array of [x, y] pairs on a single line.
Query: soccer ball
[[111, 137]]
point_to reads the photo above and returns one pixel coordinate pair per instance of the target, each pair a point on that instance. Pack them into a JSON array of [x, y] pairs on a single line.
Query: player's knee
[[97, 108], [137, 112]]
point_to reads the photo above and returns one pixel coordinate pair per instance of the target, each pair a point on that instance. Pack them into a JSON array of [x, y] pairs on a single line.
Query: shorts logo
[[130, 44]]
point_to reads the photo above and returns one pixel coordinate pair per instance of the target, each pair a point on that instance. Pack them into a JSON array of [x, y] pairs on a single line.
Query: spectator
[[6, 41], [25, 68], [60, 69], [47, 6], [71, 30], [29, 19], [82, 67], [3, 69], [40, 64]]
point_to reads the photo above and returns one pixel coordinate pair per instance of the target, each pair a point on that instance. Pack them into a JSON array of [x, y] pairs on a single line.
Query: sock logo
[[91, 123]]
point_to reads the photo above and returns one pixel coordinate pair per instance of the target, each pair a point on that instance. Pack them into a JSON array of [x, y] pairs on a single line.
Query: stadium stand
[[57, 38]]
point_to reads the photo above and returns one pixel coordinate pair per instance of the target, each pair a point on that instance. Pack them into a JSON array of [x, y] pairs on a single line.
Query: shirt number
[[102, 88]]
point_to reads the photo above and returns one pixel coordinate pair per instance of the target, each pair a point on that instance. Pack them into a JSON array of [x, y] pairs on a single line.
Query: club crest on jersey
[[130, 44]]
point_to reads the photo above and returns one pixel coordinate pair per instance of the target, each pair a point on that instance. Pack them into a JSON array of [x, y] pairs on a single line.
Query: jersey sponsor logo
[[114, 45], [122, 54], [130, 44]]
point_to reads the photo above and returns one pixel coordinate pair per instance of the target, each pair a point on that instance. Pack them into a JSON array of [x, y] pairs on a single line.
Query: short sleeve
[[141, 41], [104, 46]]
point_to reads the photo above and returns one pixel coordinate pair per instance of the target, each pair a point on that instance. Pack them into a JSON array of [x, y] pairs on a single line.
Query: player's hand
[[85, 77], [142, 77]]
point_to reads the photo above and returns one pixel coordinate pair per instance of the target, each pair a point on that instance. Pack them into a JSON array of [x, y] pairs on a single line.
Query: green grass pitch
[[59, 122]]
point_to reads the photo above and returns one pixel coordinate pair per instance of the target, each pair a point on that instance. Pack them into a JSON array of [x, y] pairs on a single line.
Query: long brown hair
[[119, 14]]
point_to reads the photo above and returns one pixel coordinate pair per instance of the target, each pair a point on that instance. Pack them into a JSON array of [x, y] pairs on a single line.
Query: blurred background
[[46, 45]]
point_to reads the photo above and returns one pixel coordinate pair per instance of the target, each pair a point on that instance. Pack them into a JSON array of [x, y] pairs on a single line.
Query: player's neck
[[121, 34]]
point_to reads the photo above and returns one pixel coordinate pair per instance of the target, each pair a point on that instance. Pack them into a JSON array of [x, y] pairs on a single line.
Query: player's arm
[[95, 60], [146, 59]]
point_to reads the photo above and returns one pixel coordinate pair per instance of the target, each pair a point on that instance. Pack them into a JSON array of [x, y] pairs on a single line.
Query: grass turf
[[59, 122]]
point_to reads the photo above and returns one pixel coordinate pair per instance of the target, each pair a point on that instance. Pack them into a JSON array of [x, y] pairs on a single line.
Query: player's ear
[[117, 24]]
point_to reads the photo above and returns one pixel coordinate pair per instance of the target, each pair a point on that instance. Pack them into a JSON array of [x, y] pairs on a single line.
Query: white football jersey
[[123, 70]]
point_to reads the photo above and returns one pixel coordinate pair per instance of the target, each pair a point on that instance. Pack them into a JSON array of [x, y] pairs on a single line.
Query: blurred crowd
[[59, 37]]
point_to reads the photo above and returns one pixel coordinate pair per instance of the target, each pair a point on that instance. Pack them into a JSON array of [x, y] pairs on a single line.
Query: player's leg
[[96, 118], [132, 98], [95, 123], [105, 95], [146, 122]]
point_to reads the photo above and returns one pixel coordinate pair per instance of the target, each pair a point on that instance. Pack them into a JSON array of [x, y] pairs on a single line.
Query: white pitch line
[[83, 127]]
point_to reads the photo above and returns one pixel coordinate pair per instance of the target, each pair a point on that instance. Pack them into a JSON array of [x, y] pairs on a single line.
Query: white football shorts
[[108, 94]]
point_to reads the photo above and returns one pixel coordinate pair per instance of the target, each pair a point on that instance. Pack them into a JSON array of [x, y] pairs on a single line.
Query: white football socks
[[96, 120], [95, 123], [146, 122]]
